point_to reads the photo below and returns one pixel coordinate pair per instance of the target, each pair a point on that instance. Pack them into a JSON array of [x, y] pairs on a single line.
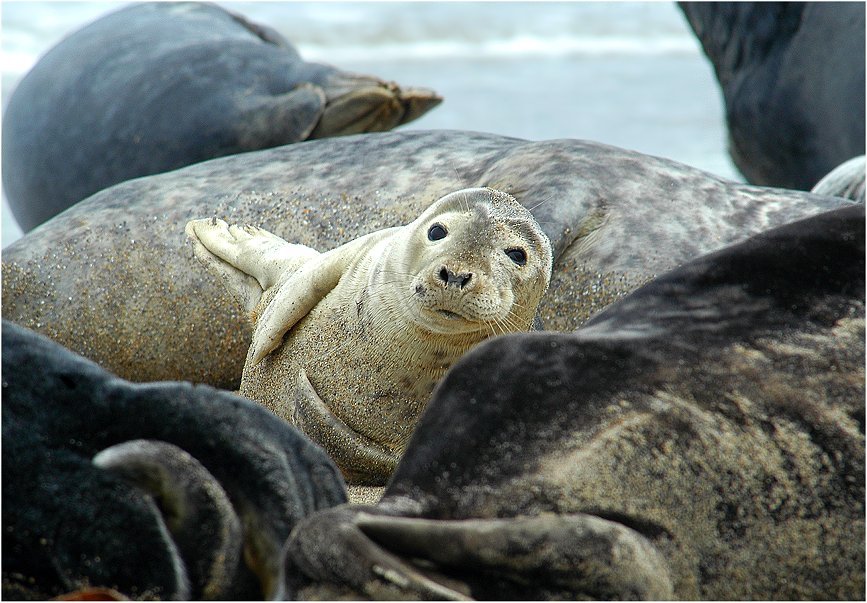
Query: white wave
[[514, 48], [18, 60]]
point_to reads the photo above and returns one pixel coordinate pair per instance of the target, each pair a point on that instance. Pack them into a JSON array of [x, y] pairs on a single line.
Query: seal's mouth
[[450, 315]]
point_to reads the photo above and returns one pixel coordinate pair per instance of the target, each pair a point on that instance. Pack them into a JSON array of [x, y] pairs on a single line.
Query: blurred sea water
[[629, 74]]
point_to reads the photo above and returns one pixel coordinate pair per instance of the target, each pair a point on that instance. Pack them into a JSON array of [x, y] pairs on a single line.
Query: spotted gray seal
[[114, 278], [701, 438], [159, 85], [348, 344]]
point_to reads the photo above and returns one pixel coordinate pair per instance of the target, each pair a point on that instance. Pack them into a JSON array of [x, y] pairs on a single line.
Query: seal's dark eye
[[437, 232], [517, 255]]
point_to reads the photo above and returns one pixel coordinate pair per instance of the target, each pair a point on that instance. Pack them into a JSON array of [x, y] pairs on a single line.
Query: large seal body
[[794, 103], [393, 311], [115, 279], [701, 438], [158, 490], [157, 86]]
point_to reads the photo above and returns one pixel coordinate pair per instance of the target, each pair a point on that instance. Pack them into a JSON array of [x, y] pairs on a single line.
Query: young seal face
[[349, 344], [466, 261]]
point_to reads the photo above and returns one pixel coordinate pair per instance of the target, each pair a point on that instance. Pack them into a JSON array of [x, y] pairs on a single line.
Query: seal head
[[459, 283]]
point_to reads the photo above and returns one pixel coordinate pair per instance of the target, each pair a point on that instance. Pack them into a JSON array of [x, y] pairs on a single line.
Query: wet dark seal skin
[[157, 86], [792, 77], [702, 438], [163, 490], [115, 280]]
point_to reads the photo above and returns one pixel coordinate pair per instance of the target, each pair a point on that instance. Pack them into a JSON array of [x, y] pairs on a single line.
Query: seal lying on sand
[[371, 326], [700, 438], [159, 490], [115, 280], [157, 86], [794, 102]]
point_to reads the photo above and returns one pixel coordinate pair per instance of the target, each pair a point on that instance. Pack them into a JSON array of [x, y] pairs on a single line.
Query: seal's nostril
[[450, 278]]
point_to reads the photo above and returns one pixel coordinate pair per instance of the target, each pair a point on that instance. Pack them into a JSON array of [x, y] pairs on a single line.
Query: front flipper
[[575, 556], [362, 461], [195, 508], [307, 286], [249, 260], [328, 548], [571, 556]]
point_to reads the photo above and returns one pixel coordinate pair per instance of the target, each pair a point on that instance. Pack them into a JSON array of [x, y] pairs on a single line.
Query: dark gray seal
[[157, 86], [792, 77], [702, 438], [162, 490], [114, 279]]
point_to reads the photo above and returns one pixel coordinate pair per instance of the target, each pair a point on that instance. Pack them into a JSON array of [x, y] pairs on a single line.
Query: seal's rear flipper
[[247, 259]]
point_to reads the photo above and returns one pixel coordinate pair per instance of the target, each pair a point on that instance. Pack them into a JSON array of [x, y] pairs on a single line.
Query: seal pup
[[701, 438], [159, 85], [349, 344], [157, 490], [115, 279]]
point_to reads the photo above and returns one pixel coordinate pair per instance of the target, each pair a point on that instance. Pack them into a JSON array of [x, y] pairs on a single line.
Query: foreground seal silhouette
[[158, 490], [157, 86], [115, 279], [370, 327], [700, 438]]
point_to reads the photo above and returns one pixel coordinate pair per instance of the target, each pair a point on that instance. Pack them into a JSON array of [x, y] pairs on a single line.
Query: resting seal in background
[[792, 78], [371, 326], [162, 490], [700, 438], [157, 86], [115, 280]]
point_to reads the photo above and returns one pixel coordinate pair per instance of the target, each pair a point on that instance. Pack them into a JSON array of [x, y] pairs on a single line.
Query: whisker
[[542, 202], [490, 324], [505, 327]]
